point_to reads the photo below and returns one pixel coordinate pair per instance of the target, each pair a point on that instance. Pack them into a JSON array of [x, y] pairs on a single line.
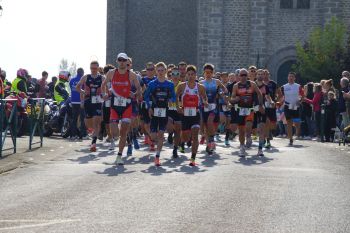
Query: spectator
[[342, 105], [77, 111], [330, 117], [52, 87], [2, 87], [316, 103], [43, 88], [20, 82], [307, 129]]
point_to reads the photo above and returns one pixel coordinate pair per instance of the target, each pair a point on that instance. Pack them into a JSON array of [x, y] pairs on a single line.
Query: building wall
[[227, 33]]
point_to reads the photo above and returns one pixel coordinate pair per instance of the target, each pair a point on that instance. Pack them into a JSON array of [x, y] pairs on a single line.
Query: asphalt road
[[305, 188]]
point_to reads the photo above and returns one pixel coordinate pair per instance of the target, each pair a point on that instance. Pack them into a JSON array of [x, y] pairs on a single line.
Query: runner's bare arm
[[234, 97], [105, 81], [135, 81], [258, 92], [179, 92], [80, 83], [222, 86], [203, 94]]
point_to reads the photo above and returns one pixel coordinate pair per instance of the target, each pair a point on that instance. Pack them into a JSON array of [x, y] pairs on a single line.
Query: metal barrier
[[36, 120], [8, 124]]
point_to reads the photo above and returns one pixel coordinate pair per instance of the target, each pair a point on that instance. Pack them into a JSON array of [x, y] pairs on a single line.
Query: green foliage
[[325, 54]]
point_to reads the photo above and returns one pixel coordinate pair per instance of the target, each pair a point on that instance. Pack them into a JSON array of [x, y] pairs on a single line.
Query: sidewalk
[[24, 156]]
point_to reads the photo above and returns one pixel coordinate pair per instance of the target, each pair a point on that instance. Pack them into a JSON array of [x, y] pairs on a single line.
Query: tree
[[64, 66], [325, 53]]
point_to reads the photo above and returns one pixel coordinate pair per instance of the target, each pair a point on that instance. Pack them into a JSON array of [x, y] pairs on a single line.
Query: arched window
[[286, 4], [303, 4]]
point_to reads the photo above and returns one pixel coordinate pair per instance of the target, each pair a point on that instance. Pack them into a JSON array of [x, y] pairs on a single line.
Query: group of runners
[[187, 104]]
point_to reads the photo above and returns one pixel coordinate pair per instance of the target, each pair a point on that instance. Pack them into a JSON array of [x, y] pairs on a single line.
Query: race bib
[[159, 112], [108, 103], [120, 101], [190, 111], [224, 108], [210, 107], [268, 104], [292, 107], [96, 99], [244, 111], [172, 108]]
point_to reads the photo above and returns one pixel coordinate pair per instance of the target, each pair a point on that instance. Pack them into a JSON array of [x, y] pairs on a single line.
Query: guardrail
[[8, 124], [35, 111]]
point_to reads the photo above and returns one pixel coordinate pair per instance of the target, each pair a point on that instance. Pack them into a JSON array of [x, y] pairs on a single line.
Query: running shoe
[[189, 143], [129, 152], [93, 147], [241, 152], [112, 145], [175, 155], [268, 145], [170, 138], [182, 149], [119, 160], [192, 163], [227, 143], [290, 142], [152, 147], [217, 138], [157, 162], [260, 153], [202, 140], [249, 142], [136, 144], [109, 140]]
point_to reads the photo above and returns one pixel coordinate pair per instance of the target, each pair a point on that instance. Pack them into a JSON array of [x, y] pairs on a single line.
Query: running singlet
[[121, 88], [146, 80], [172, 105], [92, 88], [190, 100], [211, 90], [272, 86], [245, 93], [291, 94], [160, 93]]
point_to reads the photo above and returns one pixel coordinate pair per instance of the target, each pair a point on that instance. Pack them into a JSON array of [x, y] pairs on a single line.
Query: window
[[286, 4], [303, 4]]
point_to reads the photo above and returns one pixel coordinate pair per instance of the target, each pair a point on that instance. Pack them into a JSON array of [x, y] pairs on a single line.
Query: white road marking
[[39, 223]]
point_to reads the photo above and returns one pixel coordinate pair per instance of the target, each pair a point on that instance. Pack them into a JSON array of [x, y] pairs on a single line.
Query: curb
[[9, 167]]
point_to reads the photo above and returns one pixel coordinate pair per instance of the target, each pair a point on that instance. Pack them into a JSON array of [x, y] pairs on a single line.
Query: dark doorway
[[161, 31], [283, 70]]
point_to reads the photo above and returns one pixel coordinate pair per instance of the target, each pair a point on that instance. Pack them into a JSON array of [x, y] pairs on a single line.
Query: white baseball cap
[[122, 55]]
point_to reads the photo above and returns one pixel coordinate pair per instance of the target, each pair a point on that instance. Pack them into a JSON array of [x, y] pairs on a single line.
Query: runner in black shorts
[[190, 93]]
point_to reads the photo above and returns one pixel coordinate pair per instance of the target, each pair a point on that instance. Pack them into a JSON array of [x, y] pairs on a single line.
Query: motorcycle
[[22, 115], [57, 119]]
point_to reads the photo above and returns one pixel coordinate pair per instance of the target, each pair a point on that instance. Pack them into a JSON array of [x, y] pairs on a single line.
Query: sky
[[37, 34]]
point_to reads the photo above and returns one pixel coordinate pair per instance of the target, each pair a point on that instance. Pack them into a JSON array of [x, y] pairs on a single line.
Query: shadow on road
[[156, 171], [114, 171], [253, 160], [85, 159], [186, 169], [210, 160]]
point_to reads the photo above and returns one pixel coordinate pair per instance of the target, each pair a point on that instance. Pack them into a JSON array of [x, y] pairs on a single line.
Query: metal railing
[[35, 111], [8, 124]]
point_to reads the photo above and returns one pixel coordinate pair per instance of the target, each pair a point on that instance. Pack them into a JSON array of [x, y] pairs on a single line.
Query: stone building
[[227, 33]]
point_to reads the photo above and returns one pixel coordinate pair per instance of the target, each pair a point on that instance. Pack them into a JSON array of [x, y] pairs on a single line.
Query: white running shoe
[[112, 146], [119, 161], [241, 151]]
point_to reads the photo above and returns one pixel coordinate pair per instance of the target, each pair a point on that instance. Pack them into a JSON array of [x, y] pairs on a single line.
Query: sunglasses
[[175, 74], [243, 75], [150, 69], [122, 60], [160, 70]]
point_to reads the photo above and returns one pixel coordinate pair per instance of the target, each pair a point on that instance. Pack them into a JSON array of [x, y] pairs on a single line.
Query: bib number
[[159, 112], [244, 111], [96, 99], [210, 107], [292, 107], [172, 108], [190, 111], [108, 103], [120, 101], [224, 108]]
